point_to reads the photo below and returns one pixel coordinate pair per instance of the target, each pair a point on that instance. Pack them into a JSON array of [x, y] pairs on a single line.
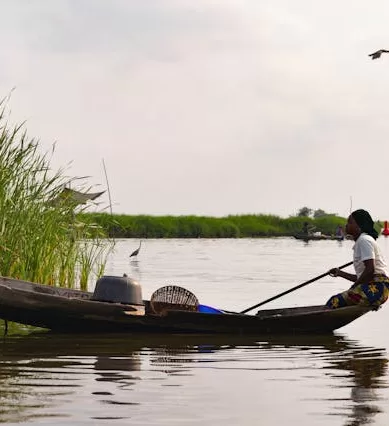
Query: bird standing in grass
[[378, 53], [136, 252]]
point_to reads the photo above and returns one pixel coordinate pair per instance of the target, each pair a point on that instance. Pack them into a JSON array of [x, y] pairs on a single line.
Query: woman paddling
[[371, 282]]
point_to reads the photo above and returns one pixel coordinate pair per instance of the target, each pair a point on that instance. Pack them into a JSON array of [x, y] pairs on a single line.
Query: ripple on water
[[196, 380], [119, 379]]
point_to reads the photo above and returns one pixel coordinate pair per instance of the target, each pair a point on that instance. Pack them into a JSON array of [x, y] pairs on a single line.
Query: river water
[[341, 379]]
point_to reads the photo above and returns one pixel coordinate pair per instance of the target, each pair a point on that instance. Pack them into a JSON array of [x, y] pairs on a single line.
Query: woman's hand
[[337, 272], [334, 272]]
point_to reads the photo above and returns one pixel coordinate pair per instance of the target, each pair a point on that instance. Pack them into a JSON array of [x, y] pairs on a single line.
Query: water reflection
[[117, 369], [45, 375], [368, 371], [363, 369]]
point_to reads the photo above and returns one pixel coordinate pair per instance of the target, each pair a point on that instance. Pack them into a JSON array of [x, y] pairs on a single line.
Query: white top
[[366, 248]]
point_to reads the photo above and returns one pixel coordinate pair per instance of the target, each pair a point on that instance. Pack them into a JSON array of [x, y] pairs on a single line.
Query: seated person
[[339, 231], [370, 282], [307, 229]]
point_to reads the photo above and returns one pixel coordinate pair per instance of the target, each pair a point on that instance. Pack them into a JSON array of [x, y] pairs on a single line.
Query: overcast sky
[[207, 107]]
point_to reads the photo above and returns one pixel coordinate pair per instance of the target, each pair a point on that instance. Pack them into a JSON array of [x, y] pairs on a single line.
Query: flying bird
[[376, 55], [136, 252]]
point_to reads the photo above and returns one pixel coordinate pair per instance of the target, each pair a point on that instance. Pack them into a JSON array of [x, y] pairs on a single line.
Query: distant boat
[[316, 236]]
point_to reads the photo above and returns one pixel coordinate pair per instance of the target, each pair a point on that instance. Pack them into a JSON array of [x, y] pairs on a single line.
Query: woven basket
[[173, 297]]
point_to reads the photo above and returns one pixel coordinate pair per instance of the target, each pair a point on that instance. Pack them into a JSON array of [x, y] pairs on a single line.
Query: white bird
[[376, 55], [136, 252]]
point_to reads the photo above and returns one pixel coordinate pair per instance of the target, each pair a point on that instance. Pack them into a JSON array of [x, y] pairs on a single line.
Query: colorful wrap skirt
[[374, 293]]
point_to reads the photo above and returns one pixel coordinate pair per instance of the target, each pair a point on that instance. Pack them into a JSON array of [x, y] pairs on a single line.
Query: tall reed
[[40, 238]]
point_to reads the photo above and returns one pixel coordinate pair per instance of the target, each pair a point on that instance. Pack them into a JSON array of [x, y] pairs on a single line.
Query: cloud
[[209, 107]]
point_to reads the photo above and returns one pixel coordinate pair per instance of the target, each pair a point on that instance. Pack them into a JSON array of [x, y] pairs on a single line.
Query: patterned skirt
[[374, 293]]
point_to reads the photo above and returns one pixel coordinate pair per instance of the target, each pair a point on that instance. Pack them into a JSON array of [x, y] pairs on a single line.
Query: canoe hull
[[317, 237], [72, 311]]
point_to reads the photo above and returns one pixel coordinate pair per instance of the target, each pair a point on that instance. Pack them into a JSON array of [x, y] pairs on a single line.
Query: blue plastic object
[[209, 310]]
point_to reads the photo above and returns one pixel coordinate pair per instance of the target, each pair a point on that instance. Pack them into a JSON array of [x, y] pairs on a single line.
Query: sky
[[208, 107]]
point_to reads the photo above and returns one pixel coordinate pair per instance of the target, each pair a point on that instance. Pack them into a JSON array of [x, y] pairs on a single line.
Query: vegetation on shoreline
[[50, 239], [42, 240], [237, 226]]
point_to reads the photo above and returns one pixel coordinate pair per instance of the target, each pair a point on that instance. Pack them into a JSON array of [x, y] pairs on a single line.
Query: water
[[155, 380]]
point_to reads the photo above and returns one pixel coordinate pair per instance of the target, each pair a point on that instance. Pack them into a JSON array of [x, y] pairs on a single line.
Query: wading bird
[[376, 55], [136, 252]]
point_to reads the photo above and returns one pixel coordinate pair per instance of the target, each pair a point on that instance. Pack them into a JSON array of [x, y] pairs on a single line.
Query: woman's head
[[360, 221]]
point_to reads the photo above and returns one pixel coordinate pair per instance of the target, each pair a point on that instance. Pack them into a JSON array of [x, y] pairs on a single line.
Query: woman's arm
[[336, 272], [366, 276]]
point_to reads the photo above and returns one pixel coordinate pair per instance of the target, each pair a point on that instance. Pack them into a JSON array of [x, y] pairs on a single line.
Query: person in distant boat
[[370, 281], [306, 229], [339, 233]]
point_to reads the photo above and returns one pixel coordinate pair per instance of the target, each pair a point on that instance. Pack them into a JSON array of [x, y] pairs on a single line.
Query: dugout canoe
[[313, 237], [74, 311]]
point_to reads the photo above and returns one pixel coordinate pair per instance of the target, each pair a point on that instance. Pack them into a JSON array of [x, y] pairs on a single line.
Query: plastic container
[[204, 309]]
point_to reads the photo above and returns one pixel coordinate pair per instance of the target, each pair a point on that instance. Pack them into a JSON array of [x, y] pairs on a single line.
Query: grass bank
[[42, 240], [239, 226]]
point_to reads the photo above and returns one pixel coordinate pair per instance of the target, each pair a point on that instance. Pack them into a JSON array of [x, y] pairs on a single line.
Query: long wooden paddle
[[292, 289]]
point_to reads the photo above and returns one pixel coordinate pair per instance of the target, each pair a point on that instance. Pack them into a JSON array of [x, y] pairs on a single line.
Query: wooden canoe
[[67, 310]]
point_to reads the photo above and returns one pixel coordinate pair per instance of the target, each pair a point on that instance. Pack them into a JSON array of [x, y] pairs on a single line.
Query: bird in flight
[[376, 55], [136, 252]]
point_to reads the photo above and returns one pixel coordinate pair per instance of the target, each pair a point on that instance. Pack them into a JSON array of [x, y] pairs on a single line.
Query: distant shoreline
[[233, 226]]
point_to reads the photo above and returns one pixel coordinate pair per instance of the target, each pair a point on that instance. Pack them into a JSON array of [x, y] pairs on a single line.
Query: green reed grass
[[41, 239], [238, 226]]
